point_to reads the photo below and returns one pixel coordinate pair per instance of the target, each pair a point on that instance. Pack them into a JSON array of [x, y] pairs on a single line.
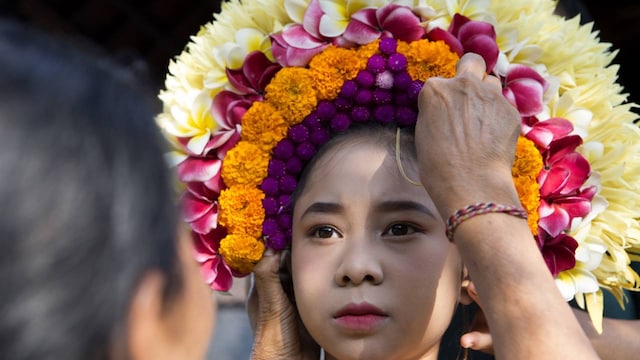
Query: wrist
[[478, 209], [271, 343], [458, 192]]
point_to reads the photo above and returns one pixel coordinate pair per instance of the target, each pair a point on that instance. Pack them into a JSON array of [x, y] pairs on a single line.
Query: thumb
[[477, 340]]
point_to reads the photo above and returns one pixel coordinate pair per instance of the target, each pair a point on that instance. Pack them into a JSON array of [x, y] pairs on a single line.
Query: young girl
[[375, 277], [373, 274]]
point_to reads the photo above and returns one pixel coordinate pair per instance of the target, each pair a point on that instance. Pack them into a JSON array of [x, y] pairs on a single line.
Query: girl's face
[[374, 275]]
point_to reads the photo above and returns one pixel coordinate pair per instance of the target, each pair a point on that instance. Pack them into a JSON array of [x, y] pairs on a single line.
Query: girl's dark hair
[[86, 199]]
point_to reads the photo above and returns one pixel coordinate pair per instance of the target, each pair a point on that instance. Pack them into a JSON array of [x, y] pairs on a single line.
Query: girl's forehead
[[363, 170], [347, 159]]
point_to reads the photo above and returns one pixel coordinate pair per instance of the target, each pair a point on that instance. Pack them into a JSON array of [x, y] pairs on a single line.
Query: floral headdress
[[258, 90]]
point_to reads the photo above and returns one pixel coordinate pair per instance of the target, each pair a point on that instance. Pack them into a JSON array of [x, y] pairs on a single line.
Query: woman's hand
[[466, 136], [617, 341], [278, 331]]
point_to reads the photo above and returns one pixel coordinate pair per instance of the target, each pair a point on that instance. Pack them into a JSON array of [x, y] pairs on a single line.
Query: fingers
[[252, 305], [265, 285], [476, 340], [493, 81], [266, 279], [268, 265], [471, 64], [273, 318]]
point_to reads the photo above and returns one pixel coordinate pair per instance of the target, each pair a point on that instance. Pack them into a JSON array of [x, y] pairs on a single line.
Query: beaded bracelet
[[470, 211]]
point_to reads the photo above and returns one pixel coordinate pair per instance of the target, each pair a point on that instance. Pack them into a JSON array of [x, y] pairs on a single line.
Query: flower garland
[[258, 90]]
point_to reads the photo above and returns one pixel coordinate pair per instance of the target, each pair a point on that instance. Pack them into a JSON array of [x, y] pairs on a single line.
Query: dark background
[[145, 34]]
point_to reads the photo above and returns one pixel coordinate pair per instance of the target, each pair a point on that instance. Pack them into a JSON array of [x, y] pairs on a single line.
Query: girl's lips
[[363, 308], [359, 317]]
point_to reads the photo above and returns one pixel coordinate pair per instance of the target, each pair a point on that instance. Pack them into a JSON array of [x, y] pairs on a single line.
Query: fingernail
[[268, 252]]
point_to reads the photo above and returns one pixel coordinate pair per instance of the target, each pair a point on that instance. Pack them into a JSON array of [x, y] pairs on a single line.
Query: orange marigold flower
[[241, 210], [241, 252], [427, 59], [332, 67], [262, 125], [526, 167], [292, 93], [245, 164], [366, 51]]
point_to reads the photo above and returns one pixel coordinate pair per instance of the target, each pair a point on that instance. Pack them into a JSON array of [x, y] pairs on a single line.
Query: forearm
[[466, 138], [270, 333], [527, 316], [619, 338]]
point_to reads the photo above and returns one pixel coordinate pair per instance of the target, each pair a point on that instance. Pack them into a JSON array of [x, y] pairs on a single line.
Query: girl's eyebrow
[[404, 205], [324, 208]]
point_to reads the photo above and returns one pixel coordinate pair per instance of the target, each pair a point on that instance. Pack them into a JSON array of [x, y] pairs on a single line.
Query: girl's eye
[[324, 232], [400, 230]]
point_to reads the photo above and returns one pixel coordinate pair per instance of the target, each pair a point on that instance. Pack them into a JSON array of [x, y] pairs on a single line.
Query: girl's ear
[[465, 297], [468, 293]]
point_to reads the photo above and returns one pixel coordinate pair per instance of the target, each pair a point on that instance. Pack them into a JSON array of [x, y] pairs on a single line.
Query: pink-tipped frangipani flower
[[311, 19], [565, 169], [559, 252], [294, 46], [524, 88], [254, 75], [215, 272], [466, 35], [562, 196], [200, 212], [227, 109], [542, 133], [556, 213], [202, 171], [391, 20]]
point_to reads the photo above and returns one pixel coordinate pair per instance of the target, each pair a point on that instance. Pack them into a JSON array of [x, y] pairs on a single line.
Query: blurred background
[[145, 34]]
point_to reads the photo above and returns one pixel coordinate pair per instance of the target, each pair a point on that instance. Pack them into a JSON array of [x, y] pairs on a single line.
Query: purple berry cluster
[[383, 92]]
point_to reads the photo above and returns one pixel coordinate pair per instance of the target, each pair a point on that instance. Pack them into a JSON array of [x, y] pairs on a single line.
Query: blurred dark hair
[[86, 204]]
